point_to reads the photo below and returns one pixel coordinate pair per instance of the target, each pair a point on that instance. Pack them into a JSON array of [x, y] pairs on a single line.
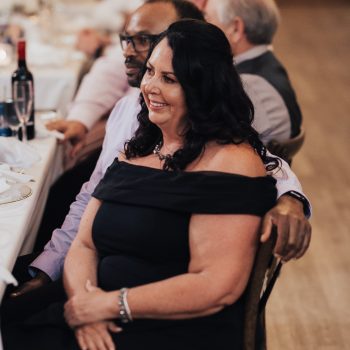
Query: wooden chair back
[[287, 149], [262, 279]]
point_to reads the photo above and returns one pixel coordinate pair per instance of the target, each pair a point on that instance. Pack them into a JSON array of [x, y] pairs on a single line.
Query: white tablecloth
[[19, 221]]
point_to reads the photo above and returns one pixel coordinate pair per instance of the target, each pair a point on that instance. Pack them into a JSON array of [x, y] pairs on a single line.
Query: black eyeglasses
[[139, 42]]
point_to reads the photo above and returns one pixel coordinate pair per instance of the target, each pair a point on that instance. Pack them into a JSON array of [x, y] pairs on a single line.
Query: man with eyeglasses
[[145, 23], [108, 76], [140, 44], [98, 93], [100, 90]]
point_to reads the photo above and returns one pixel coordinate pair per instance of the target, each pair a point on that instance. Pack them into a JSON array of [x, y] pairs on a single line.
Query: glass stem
[[24, 133]]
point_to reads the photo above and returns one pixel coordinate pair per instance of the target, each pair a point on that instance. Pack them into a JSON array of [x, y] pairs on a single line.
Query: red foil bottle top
[[21, 50]]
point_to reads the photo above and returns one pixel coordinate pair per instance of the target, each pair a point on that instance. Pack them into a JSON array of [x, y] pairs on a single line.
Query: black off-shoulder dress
[[141, 235]]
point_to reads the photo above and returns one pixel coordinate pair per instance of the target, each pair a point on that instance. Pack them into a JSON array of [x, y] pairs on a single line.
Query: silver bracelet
[[124, 310]]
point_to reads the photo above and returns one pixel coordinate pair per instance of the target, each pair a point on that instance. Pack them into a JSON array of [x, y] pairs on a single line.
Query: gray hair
[[260, 17]]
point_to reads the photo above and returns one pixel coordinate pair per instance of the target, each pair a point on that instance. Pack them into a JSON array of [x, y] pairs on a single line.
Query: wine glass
[[11, 117], [23, 102]]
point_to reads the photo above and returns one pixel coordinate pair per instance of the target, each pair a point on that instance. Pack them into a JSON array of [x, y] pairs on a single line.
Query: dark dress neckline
[[191, 192], [185, 172]]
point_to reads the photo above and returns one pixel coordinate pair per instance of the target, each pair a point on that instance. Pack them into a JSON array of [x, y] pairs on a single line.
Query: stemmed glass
[[23, 102]]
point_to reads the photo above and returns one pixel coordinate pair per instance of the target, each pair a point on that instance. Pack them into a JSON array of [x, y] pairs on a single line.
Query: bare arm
[[81, 261], [221, 261], [80, 267]]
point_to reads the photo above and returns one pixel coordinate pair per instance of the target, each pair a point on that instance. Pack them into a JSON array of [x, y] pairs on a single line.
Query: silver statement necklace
[[160, 155]]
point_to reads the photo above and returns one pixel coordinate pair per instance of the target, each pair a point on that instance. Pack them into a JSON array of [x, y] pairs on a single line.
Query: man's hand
[[38, 281], [293, 229], [97, 335], [74, 131]]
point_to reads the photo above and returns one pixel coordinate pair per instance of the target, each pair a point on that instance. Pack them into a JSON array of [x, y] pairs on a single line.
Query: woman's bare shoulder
[[237, 159]]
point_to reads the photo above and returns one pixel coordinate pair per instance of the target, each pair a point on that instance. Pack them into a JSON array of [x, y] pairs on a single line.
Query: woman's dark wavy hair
[[217, 106]]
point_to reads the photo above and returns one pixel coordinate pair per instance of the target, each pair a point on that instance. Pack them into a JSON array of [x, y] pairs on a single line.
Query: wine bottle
[[23, 74]]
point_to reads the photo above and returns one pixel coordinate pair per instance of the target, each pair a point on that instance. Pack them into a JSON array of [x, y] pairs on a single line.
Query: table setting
[[15, 156], [27, 171]]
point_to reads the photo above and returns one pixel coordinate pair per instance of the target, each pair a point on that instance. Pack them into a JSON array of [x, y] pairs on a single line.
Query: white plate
[[16, 193]]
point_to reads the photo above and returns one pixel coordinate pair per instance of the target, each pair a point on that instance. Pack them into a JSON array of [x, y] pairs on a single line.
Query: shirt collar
[[252, 53]]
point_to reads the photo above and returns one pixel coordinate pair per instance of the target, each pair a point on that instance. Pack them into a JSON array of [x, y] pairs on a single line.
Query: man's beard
[[134, 79]]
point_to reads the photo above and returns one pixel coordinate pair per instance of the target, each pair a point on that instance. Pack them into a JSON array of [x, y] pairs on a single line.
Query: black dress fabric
[[141, 235]]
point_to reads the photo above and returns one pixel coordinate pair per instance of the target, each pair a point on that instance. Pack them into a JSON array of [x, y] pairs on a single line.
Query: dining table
[[20, 219], [56, 67]]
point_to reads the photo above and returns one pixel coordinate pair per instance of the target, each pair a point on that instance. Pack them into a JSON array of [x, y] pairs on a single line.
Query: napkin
[[17, 153], [7, 173]]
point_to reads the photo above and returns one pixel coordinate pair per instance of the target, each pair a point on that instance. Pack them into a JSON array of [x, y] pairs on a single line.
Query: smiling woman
[[166, 244]]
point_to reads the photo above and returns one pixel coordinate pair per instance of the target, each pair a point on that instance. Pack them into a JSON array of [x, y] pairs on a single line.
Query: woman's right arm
[[79, 267], [81, 261]]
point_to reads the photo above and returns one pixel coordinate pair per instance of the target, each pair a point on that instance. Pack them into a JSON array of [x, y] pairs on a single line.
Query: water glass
[[23, 101]]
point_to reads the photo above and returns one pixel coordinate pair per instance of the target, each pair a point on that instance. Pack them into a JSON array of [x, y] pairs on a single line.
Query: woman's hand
[[92, 306], [96, 336]]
